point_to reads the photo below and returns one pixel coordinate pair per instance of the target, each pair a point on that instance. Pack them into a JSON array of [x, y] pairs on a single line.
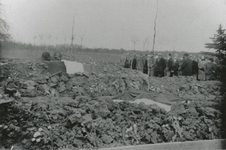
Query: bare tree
[[56, 40], [35, 39], [81, 38], [134, 40], [153, 47], [144, 45], [148, 44], [72, 34], [41, 37], [146, 41], [4, 27], [49, 37], [65, 39]]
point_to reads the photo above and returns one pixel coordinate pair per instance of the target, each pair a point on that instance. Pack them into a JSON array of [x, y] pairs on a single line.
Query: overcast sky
[[182, 25]]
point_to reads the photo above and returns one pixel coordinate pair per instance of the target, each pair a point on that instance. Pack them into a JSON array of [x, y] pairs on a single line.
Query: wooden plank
[[204, 144], [3, 101]]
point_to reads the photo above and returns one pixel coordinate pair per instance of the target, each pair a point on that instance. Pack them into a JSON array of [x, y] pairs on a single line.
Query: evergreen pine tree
[[219, 43]]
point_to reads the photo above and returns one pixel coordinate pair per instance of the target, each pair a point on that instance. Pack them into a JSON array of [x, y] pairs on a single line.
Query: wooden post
[[72, 35], [153, 46]]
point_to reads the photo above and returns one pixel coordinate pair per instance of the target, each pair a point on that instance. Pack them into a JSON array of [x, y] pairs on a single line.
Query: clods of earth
[[72, 111]]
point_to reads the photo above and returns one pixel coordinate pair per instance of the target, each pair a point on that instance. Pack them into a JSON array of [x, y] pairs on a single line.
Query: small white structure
[[73, 67]]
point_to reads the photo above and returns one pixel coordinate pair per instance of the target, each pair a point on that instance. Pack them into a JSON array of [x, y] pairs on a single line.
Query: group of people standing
[[137, 62], [155, 65]]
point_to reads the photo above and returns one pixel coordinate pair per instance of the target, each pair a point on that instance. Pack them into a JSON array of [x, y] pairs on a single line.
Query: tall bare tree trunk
[[0, 52], [72, 35], [153, 48], [81, 41], [144, 45], [134, 45]]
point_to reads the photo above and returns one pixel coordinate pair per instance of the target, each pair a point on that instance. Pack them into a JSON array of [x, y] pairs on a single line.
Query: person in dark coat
[[145, 62], [160, 66], [134, 62], [174, 68], [221, 70], [194, 67], [214, 72], [186, 66], [46, 56]]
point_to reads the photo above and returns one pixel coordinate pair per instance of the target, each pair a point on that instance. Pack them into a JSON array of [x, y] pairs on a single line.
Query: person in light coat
[[209, 69], [127, 62], [151, 65], [201, 68], [140, 65]]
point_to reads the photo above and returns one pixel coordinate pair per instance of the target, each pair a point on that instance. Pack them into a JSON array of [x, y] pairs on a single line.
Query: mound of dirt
[[79, 84], [111, 80], [187, 87], [91, 123], [74, 111]]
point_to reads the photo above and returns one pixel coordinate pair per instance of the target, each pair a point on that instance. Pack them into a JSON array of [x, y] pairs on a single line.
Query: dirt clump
[[72, 111]]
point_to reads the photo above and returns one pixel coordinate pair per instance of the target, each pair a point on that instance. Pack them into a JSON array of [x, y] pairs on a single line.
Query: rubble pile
[[187, 87], [74, 85], [23, 69], [93, 123], [33, 80], [72, 111]]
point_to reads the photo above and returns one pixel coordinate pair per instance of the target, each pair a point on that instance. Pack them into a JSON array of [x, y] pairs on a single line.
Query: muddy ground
[[74, 111]]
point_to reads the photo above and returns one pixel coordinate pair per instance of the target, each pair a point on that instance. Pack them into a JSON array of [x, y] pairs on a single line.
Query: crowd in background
[[155, 65]]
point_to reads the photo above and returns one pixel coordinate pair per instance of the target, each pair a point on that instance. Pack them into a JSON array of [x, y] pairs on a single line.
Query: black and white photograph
[[112, 74]]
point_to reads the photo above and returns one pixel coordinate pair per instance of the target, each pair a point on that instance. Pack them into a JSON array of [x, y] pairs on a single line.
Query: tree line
[[12, 45]]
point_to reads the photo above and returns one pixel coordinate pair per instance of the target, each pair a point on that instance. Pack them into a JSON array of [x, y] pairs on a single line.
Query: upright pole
[[41, 36], [35, 39], [65, 41], [153, 48], [134, 44], [72, 35], [144, 45], [56, 40], [81, 41], [49, 39], [148, 45]]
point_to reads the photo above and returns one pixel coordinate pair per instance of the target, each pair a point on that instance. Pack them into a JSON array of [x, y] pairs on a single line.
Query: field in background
[[15, 50], [79, 56]]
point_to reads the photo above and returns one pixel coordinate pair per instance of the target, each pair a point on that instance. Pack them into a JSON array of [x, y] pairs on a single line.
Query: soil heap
[[72, 111]]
